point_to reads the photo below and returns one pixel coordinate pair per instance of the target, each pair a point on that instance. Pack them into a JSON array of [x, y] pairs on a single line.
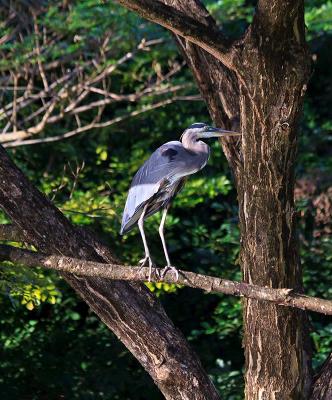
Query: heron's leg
[[161, 233], [140, 224], [162, 237]]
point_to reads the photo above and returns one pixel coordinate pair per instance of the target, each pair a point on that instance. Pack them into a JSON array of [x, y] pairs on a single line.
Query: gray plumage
[[159, 179], [163, 175]]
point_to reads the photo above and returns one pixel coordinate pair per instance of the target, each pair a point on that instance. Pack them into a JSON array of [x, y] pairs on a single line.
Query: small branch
[[94, 124], [284, 297], [40, 64], [25, 100], [22, 134], [67, 101], [208, 38]]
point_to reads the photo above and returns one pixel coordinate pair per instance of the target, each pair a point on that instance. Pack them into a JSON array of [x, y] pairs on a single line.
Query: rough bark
[[128, 309], [322, 386], [275, 339], [285, 297]]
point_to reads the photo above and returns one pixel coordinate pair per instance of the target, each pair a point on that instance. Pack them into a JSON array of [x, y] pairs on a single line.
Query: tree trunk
[[275, 339]]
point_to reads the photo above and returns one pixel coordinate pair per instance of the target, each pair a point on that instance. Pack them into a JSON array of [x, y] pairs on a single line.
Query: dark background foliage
[[52, 345]]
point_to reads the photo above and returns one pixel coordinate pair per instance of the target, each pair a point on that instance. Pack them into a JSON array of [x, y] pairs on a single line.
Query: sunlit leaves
[[160, 288], [102, 153], [28, 287]]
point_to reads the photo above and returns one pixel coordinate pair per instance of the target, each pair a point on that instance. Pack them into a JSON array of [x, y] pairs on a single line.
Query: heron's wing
[[164, 167]]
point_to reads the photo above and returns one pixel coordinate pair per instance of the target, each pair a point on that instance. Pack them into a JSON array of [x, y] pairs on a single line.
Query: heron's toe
[[143, 261], [147, 261], [170, 268]]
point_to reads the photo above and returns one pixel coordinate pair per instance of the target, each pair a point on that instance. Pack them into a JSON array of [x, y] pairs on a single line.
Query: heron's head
[[199, 131]]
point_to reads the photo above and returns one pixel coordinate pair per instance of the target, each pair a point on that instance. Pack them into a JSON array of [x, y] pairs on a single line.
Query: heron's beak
[[218, 132]]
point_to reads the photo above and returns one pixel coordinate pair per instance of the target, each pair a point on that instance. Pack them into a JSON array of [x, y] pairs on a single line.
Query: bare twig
[[91, 213], [284, 297], [74, 93], [93, 125], [40, 64], [14, 116], [25, 100], [75, 174], [63, 184]]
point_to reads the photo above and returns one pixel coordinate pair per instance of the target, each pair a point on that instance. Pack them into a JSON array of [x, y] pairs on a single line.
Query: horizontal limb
[[284, 297]]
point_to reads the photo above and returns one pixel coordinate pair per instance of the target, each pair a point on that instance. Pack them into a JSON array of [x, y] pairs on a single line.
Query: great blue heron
[[162, 176]]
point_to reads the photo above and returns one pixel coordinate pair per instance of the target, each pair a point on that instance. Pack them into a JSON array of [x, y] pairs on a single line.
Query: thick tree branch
[[208, 37], [284, 297]]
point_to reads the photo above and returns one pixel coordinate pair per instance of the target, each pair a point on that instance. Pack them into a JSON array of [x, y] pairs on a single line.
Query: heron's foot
[[172, 269], [147, 261]]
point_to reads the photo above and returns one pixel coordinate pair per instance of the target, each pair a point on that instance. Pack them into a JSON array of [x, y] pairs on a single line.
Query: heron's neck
[[194, 145]]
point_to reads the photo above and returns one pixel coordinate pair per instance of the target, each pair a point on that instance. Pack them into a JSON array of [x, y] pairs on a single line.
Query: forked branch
[[208, 38]]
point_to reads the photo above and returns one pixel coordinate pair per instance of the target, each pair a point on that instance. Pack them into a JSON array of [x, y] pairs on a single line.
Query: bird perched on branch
[[161, 177]]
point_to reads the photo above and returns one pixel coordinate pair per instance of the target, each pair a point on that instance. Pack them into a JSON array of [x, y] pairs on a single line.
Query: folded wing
[[164, 169]]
